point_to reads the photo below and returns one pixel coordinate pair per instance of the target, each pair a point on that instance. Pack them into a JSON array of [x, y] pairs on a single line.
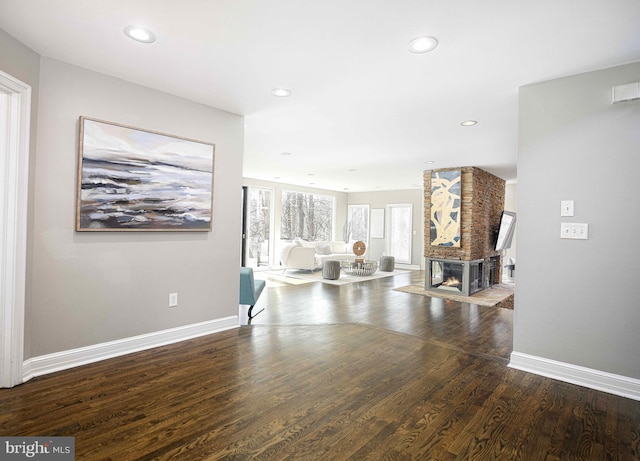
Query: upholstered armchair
[[250, 289], [299, 257]]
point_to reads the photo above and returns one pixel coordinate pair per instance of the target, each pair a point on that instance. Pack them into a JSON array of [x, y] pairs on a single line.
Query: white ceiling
[[360, 100]]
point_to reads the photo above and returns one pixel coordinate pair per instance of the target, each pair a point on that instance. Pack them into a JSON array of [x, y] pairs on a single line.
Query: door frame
[[245, 204], [15, 105]]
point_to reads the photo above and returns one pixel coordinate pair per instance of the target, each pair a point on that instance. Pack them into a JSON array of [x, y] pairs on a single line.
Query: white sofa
[[303, 255]]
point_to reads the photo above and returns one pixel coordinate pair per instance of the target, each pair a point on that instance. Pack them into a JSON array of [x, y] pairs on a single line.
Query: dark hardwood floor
[[330, 373]]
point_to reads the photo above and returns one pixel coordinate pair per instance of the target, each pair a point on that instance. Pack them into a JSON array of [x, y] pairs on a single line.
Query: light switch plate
[[566, 208]]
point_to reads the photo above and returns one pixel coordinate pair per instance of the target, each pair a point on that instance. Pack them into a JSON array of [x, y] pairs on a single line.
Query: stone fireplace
[[468, 262]]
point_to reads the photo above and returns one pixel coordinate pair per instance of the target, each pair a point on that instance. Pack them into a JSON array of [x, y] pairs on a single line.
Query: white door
[[358, 220], [399, 232]]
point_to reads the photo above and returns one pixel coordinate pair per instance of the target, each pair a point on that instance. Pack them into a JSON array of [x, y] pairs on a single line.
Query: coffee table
[[361, 268]]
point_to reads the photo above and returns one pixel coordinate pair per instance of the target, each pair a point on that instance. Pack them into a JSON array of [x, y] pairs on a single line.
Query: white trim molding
[[58, 361], [410, 267], [574, 374], [15, 104]]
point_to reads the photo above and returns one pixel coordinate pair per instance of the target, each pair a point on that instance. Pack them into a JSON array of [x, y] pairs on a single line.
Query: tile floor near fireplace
[[456, 276]]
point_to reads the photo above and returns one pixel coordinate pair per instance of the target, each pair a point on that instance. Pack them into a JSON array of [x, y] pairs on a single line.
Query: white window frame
[[283, 192]]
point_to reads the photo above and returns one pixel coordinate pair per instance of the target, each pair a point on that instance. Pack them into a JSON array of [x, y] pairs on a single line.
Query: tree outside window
[[306, 216], [259, 225]]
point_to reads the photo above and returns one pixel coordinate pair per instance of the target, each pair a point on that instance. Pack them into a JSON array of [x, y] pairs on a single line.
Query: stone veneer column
[[482, 203]]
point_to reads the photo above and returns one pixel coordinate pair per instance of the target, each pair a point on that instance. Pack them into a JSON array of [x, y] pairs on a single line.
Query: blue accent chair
[[250, 289]]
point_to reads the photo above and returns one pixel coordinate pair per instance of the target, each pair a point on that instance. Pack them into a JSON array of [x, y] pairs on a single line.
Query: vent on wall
[[623, 93]]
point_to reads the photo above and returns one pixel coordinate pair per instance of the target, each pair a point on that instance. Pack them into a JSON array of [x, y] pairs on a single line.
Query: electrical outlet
[[173, 299], [578, 231]]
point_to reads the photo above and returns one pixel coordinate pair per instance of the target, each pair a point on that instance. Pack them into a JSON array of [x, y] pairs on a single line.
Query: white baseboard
[[50, 363], [574, 374], [411, 267]]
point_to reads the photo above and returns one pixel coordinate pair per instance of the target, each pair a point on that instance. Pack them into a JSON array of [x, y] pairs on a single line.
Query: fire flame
[[451, 282]]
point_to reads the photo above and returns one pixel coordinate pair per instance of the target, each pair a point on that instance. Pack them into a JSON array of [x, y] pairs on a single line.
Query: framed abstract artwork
[[131, 179], [445, 208]]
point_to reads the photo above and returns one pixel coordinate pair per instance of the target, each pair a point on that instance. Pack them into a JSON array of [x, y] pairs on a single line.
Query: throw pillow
[[323, 249]]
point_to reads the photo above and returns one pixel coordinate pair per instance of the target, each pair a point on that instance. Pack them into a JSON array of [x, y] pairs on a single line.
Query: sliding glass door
[[258, 227]]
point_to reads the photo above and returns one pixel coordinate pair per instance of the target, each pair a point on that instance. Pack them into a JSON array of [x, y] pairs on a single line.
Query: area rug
[[275, 279], [500, 295], [299, 277]]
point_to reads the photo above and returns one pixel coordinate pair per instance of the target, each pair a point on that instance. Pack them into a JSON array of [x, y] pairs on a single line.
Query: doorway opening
[[257, 227]]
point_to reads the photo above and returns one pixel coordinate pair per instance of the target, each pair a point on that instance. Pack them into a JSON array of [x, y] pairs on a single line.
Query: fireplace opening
[[446, 276], [463, 277]]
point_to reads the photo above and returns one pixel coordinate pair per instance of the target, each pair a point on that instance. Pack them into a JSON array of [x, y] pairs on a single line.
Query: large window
[[306, 216]]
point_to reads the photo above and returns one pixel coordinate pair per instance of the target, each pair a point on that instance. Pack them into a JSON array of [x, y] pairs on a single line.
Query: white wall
[[90, 288], [383, 198], [578, 301]]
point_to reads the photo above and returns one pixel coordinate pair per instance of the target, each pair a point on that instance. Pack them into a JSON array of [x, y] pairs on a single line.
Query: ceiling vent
[[623, 93]]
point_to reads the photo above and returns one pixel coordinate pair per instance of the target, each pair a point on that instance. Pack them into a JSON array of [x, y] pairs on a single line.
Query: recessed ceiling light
[[140, 34], [468, 123], [281, 92], [429, 162], [285, 153], [423, 44], [352, 169]]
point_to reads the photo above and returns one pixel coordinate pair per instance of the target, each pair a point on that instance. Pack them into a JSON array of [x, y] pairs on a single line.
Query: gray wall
[[578, 301], [383, 198], [89, 288], [19, 61]]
